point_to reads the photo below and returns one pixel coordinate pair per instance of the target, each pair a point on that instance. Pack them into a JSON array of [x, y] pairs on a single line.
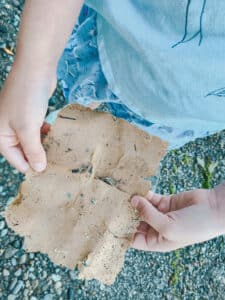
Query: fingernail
[[134, 201], [39, 167], [25, 168]]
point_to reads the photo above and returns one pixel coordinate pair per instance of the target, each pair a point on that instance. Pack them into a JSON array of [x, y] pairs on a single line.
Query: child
[[164, 65]]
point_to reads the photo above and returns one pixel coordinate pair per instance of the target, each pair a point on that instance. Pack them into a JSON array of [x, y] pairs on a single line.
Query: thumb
[[150, 214], [30, 141]]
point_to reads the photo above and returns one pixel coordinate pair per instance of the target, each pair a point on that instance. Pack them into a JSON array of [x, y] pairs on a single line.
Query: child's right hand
[[175, 221], [23, 105]]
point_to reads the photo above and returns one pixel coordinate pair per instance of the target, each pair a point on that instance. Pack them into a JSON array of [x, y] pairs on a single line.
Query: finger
[[143, 227], [153, 198], [160, 201], [15, 157], [150, 214], [30, 141], [182, 200], [142, 241], [45, 128], [151, 242]]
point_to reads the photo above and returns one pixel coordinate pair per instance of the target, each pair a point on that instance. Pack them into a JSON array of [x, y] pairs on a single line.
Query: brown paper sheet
[[78, 211]]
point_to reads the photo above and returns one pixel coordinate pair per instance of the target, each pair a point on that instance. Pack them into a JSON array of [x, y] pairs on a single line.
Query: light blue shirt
[[166, 59]]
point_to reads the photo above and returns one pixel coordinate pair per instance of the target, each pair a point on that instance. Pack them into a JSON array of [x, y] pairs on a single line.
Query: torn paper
[[78, 211]]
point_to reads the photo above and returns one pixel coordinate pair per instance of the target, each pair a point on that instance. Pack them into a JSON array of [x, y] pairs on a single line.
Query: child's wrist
[[41, 81], [34, 68]]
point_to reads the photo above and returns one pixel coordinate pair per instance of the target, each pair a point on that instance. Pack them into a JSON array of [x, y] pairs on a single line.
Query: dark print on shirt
[[197, 32], [218, 93]]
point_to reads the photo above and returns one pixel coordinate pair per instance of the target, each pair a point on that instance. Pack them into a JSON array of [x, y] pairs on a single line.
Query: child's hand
[[23, 105], [175, 221]]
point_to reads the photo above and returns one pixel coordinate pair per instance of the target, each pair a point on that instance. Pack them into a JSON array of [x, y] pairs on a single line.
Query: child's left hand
[[175, 221]]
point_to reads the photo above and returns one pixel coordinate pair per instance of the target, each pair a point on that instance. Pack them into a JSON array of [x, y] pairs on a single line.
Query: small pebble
[[9, 252], [23, 259], [17, 244], [35, 284], [18, 273], [48, 297], [2, 225], [13, 284], [32, 276], [8, 68], [44, 275], [5, 272], [73, 275], [11, 297], [31, 255], [55, 277], [25, 276], [1, 188], [26, 292], [13, 262], [58, 285], [18, 287], [59, 291], [4, 232], [10, 199], [2, 160], [15, 172], [33, 298]]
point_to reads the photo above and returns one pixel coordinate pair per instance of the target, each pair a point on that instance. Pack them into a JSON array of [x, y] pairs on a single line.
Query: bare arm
[[44, 31]]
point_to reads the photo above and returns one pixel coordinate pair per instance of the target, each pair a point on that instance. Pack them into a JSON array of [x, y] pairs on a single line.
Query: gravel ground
[[196, 272]]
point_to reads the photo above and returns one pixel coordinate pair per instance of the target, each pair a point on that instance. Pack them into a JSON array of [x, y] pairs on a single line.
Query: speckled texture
[[197, 272], [79, 208]]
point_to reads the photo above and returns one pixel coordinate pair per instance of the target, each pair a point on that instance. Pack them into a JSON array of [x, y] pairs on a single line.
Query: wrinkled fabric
[[128, 93], [79, 67]]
